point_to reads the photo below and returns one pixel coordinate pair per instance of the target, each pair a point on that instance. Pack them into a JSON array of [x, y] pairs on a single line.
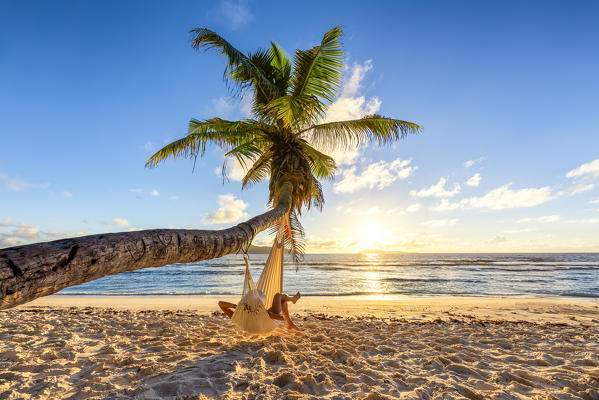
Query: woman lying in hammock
[[279, 309]]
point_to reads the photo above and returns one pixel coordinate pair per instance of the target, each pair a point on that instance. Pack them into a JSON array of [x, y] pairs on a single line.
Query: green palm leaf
[[344, 134], [259, 171], [318, 70], [205, 38], [322, 166], [194, 145]]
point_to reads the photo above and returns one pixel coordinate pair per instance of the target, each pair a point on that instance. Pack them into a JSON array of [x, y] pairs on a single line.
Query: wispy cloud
[[155, 192], [16, 184], [439, 223], [577, 189], [370, 211], [544, 219], [237, 13], [6, 222], [497, 240], [445, 205], [474, 180], [67, 194], [437, 190], [120, 222], [523, 230], [230, 210], [470, 163], [587, 170], [503, 197], [377, 175], [233, 168]]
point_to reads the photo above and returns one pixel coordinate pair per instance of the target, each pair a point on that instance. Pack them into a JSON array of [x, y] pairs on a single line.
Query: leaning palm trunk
[[35, 270]]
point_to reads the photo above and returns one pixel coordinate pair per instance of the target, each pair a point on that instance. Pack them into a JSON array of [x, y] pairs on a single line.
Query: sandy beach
[[177, 347]]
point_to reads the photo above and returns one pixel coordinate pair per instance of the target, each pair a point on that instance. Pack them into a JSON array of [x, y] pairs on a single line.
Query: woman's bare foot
[[296, 298], [292, 326]]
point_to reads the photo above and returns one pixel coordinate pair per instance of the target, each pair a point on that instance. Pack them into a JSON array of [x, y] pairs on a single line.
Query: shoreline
[[538, 309]]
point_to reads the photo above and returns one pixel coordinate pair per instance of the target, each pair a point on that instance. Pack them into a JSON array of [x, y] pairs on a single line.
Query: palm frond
[[247, 126], [322, 165], [295, 112], [259, 171], [294, 237], [344, 134], [194, 145], [282, 64], [318, 70], [205, 38]]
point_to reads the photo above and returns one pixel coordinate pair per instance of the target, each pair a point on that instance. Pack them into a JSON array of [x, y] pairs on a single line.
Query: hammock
[[251, 313]]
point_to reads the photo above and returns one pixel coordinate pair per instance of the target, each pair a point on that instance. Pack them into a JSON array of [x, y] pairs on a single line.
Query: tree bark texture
[[40, 269]]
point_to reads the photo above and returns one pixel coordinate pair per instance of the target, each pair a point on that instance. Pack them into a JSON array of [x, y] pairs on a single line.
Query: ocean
[[523, 275]]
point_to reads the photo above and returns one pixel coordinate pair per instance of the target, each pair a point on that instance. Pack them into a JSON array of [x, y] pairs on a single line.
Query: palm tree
[[280, 143], [283, 142]]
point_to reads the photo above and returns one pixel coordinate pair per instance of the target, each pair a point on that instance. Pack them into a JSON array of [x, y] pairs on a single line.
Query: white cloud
[[445, 205], [577, 189], [174, 198], [503, 197], [237, 13], [439, 223], [583, 221], [590, 170], [370, 211], [498, 240], [120, 222], [474, 180], [149, 146], [6, 222], [414, 208], [350, 106], [437, 190], [524, 230], [379, 174], [470, 163], [223, 107], [546, 218], [68, 195], [230, 210], [8, 241], [155, 193], [135, 190], [17, 184], [233, 168], [596, 201], [26, 231]]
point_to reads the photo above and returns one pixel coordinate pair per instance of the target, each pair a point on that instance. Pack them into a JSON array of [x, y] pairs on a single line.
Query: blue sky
[[89, 90]]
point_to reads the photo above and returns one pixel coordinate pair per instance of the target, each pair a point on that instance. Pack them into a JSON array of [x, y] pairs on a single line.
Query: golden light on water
[[372, 278]]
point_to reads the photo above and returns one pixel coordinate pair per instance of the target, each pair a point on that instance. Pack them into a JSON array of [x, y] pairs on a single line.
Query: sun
[[369, 236]]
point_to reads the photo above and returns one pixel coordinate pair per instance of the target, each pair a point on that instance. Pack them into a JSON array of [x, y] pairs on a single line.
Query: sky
[[506, 93]]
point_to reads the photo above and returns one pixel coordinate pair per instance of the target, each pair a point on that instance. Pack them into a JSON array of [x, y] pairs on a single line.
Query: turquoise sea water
[[573, 275]]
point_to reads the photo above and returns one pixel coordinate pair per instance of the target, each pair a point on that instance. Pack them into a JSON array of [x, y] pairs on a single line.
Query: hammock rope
[[251, 313]]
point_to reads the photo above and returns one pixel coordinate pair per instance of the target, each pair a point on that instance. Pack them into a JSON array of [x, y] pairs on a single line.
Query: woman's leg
[[285, 312], [227, 307], [279, 307]]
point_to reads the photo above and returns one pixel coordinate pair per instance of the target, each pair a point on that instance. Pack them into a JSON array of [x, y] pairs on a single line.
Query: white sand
[[173, 347]]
